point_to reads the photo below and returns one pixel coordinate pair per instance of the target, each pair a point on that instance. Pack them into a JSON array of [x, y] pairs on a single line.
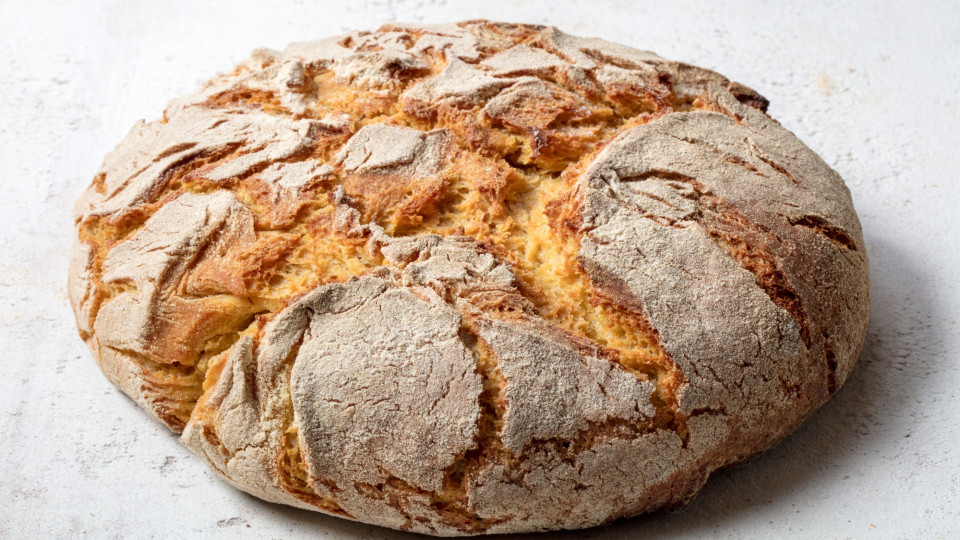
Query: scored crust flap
[[374, 360]]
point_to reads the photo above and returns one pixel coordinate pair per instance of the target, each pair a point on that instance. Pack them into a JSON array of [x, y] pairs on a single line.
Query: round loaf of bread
[[470, 278]]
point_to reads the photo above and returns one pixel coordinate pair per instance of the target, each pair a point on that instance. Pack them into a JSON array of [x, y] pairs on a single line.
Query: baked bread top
[[470, 278]]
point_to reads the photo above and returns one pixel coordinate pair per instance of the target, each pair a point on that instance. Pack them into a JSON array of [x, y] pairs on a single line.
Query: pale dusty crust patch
[[470, 278]]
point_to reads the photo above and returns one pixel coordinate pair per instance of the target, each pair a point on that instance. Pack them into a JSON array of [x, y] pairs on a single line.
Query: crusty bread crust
[[470, 278]]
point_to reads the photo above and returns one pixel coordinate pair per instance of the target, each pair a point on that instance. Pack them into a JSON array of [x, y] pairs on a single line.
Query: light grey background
[[871, 87]]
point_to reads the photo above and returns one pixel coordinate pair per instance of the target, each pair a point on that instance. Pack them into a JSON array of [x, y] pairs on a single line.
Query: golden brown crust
[[470, 278]]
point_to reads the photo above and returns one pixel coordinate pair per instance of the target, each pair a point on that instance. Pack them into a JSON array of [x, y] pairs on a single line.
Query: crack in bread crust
[[564, 215]]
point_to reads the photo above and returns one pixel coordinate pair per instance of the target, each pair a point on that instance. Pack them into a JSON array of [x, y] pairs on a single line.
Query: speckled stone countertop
[[872, 89]]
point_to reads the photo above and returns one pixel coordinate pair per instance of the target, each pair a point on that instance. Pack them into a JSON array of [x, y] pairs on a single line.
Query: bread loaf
[[470, 278]]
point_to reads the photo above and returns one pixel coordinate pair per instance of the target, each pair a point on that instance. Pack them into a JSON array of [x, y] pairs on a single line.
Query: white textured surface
[[872, 89]]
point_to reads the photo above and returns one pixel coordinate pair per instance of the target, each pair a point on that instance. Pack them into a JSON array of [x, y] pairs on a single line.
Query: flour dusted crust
[[470, 278]]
